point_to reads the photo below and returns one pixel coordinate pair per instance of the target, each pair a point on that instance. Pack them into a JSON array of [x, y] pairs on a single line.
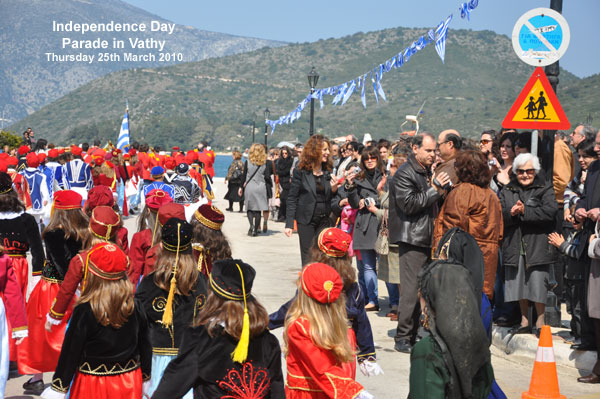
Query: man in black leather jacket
[[414, 194]]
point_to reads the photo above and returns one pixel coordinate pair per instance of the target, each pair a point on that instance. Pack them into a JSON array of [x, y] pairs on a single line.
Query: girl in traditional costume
[[144, 239], [228, 352], [63, 237], [104, 227], [209, 244], [172, 296], [106, 352], [13, 311], [19, 233], [332, 249], [320, 360]]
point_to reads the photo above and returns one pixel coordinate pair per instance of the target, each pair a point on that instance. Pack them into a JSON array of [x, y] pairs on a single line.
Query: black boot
[[257, 216], [250, 215], [241, 207], [230, 209]]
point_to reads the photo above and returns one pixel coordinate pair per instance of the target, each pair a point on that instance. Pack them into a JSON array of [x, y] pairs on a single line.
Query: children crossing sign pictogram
[[536, 107]]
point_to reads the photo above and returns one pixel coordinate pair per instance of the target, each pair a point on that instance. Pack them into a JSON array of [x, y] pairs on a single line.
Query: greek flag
[[440, 37], [123, 141]]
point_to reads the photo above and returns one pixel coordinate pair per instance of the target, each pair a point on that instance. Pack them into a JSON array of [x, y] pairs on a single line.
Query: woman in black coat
[[362, 190], [283, 168], [309, 198], [529, 209]]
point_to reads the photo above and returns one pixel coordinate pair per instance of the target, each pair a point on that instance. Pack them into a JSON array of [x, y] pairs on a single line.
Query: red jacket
[[315, 373], [140, 245], [11, 292]]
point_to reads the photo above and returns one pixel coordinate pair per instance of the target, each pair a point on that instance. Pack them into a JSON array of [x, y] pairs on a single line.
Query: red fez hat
[[75, 150], [53, 153], [41, 156], [32, 160], [126, 156], [157, 198], [99, 196], [210, 216], [107, 261], [170, 163], [170, 210], [104, 222], [23, 150], [12, 161], [99, 161], [321, 282], [175, 148], [132, 152], [67, 199], [61, 151], [334, 242]]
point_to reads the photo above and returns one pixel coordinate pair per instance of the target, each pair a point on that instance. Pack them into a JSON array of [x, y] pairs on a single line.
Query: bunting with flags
[[344, 91]]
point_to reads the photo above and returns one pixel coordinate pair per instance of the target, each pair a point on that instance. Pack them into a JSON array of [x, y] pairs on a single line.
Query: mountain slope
[[216, 99], [30, 81]]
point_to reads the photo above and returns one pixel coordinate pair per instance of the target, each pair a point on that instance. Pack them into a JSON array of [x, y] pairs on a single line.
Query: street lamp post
[[253, 127], [313, 78], [267, 113]]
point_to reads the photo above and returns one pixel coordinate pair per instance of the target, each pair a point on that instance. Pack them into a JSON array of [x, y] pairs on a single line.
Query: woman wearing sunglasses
[[362, 189], [529, 210]]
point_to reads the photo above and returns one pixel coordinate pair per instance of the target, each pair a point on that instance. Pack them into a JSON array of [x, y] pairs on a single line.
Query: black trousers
[[412, 259], [307, 234]]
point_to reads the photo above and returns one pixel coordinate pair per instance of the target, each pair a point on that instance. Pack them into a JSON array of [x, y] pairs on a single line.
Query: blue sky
[[307, 21]]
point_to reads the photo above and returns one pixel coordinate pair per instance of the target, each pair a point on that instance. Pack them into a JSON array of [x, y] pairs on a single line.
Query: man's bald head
[[442, 135]]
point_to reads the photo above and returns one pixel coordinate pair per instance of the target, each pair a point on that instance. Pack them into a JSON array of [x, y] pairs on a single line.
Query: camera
[[356, 170], [369, 201]]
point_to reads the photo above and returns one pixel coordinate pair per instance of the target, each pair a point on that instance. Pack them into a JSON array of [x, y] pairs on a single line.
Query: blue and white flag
[[440, 38], [123, 141]]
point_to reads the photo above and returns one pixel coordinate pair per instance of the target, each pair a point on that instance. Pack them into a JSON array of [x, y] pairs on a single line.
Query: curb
[[525, 345]]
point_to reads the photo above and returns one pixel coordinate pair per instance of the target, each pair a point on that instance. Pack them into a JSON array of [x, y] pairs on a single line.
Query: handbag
[[382, 243]]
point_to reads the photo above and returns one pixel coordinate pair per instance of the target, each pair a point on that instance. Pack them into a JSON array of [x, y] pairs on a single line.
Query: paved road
[[277, 261]]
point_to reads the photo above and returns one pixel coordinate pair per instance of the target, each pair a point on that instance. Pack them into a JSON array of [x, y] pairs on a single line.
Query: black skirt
[[233, 192]]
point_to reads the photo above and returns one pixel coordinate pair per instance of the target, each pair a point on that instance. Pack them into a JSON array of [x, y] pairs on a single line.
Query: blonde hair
[[328, 324], [187, 271], [257, 154], [111, 300]]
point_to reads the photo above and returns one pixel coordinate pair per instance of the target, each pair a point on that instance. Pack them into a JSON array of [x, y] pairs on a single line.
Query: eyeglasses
[[443, 142], [371, 158], [525, 171], [484, 141]]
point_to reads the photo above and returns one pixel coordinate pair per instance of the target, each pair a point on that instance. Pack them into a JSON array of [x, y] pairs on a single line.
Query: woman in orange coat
[[475, 208]]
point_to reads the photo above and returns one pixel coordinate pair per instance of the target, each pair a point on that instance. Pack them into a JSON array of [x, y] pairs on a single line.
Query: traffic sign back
[[536, 107]]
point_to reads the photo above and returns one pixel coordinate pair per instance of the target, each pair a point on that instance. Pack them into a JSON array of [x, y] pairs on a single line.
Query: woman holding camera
[[362, 189]]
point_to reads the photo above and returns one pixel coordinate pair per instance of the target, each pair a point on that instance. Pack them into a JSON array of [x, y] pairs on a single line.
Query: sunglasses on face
[[484, 141], [525, 171], [371, 159]]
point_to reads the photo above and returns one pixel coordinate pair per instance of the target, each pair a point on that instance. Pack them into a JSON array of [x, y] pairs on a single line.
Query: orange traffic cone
[[544, 380]]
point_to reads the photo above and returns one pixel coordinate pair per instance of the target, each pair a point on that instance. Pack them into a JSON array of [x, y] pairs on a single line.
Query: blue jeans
[[393, 293], [367, 275]]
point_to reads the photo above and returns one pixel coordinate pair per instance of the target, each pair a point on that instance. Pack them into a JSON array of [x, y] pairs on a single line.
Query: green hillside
[[216, 99]]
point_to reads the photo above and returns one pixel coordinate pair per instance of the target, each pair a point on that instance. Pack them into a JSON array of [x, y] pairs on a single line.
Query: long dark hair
[[313, 152], [368, 152], [9, 202], [214, 241]]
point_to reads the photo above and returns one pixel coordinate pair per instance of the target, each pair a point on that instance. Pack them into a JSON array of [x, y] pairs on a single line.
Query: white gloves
[[369, 368], [365, 395], [50, 393]]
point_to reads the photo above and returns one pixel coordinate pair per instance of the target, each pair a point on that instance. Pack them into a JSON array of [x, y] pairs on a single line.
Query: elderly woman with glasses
[[529, 210]]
